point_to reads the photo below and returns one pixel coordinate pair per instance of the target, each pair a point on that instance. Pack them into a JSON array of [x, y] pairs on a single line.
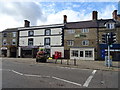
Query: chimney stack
[[94, 15], [65, 18], [26, 23], [114, 14]]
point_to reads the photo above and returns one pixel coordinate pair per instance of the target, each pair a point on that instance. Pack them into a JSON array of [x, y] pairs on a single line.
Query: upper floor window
[[85, 30], [30, 41], [85, 43], [110, 25], [14, 34], [30, 33], [13, 41], [4, 34], [70, 42], [4, 42], [71, 31], [47, 41], [47, 32]]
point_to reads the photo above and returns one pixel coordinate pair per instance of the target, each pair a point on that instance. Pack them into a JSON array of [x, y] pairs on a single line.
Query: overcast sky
[[13, 14]]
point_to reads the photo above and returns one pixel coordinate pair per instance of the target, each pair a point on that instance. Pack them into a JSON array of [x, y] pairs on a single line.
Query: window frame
[[4, 41], [47, 32], [29, 33], [85, 30], [13, 34], [13, 42], [89, 54], [70, 42], [85, 42], [74, 53], [29, 42], [45, 43]]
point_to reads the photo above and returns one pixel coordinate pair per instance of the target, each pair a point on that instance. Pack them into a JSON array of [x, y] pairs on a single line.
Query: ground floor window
[[75, 53], [88, 54], [81, 54]]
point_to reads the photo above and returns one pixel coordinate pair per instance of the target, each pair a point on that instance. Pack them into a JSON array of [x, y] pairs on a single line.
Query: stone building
[[82, 40], [9, 42]]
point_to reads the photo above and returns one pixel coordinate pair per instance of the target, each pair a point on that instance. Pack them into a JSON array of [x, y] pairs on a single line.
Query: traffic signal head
[[113, 38], [104, 38]]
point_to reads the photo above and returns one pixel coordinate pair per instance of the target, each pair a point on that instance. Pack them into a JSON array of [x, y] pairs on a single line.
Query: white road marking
[[89, 79], [32, 75], [67, 81], [29, 75], [17, 72]]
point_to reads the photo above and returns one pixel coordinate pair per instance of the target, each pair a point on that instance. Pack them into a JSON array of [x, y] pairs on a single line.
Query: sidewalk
[[82, 64], [87, 64]]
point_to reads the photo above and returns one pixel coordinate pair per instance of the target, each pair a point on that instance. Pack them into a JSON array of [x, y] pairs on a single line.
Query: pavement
[[82, 64]]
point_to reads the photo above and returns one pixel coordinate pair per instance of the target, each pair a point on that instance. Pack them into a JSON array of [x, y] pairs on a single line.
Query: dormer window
[[110, 25]]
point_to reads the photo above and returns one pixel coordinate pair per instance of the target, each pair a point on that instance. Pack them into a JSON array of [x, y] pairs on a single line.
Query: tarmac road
[[17, 74]]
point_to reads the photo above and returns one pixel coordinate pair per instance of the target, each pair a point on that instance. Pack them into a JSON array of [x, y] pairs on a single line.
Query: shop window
[[30, 41], [70, 42], [81, 53], [85, 43], [74, 53], [88, 54], [47, 41], [47, 32], [30, 33]]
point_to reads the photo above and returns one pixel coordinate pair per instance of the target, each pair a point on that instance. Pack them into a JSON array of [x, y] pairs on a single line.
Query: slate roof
[[89, 24], [10, 30]]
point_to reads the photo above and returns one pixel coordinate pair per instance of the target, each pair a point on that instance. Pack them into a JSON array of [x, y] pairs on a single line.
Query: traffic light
[[104, 38], [112, 38]]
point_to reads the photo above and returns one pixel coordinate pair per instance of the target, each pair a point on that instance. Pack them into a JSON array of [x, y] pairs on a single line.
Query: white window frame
[[14, 34], [70, 42], [13, 41], [4, 42], [74, 53], [85, 30], [85, 42], [70, 31], [88, 54], [110, 25]]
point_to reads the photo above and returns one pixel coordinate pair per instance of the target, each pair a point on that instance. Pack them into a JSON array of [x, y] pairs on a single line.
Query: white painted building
[[49, 37]]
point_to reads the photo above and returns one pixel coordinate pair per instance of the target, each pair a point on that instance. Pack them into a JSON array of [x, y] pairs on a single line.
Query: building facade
[[9, 42], [83, 40], [0, 44], [48, 37]]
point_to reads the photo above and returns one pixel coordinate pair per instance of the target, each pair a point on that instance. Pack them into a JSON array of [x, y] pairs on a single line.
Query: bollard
[[75, 62], [67, 61], [61, 61], [55, 61]]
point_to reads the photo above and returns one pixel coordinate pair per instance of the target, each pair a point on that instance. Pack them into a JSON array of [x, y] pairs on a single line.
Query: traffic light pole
[[108, 55]]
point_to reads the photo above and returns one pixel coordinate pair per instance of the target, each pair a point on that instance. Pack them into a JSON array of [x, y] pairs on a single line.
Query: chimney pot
[[114, 14], [65, 18], [94, 15], [26, 23]]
